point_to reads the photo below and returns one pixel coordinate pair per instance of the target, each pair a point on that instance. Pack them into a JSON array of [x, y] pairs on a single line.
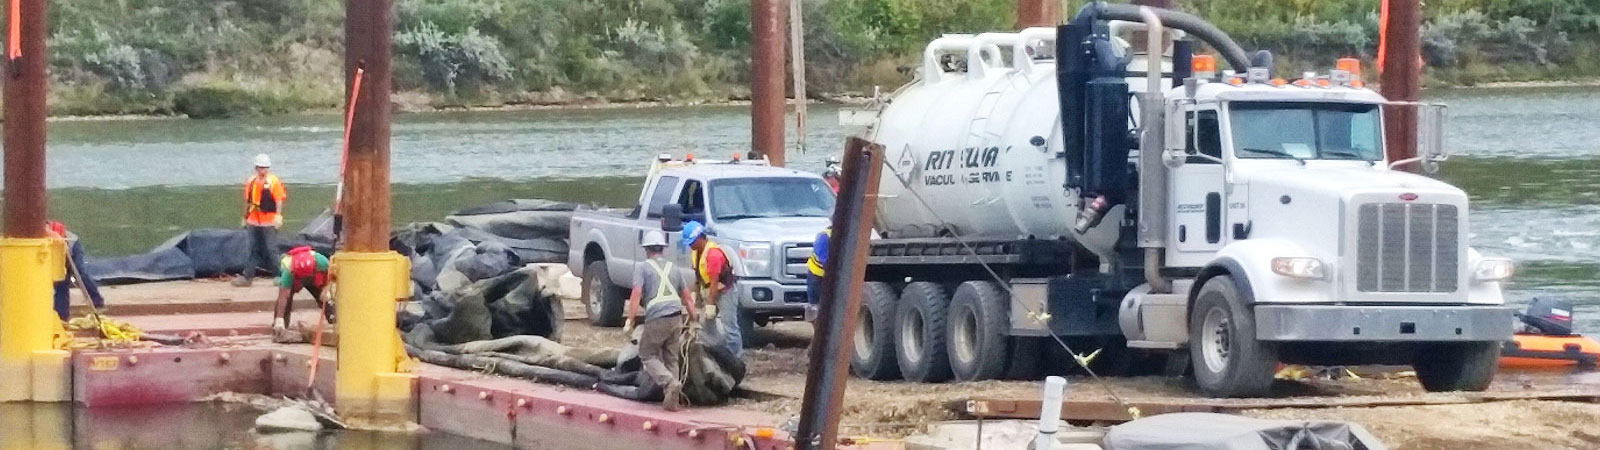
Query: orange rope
[[1383, 32], [349, 120], [316, 342], [14, 48]]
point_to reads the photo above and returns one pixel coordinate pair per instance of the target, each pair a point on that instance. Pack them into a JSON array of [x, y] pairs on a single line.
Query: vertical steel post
[[767, 57], [1038, 13], [371, 393], [1401, 76], [30, 367], [797, 59], [841, 296]]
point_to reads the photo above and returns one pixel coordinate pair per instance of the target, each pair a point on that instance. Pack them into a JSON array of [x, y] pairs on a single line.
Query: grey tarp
[[1211, 431]]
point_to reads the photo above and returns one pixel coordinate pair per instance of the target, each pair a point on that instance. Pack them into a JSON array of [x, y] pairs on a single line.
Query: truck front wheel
[[601, 299], [979, 325], [920, 331], [1467, 366], [874, 337], [1228, 360]]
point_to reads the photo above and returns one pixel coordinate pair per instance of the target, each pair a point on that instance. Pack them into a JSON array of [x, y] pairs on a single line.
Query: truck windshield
[[1306, 130], [744, 198]]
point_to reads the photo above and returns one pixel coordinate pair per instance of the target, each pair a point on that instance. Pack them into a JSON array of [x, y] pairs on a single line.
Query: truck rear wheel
[[874, 337], [1228, 360], [920, 331], [601, 299], [979, 324], [1468, 366]]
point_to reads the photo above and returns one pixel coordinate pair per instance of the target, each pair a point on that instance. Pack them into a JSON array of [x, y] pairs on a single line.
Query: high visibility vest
[[819, 247], [700, 266], [263, 195], [664, 290]]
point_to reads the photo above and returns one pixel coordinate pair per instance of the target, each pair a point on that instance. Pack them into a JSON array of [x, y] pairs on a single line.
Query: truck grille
[[794, 261], [1405, 247]]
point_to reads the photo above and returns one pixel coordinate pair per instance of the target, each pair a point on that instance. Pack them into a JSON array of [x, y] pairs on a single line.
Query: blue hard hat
[[692, 230]]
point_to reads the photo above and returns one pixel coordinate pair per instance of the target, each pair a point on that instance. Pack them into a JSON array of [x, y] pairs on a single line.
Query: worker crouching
[[301, 269], [667, 311]]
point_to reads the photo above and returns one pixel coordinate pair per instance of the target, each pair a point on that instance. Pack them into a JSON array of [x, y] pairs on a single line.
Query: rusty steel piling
[[368, 33], [840, 297], [1401, 76], [1038, 13], [767, 97], [26, 86]]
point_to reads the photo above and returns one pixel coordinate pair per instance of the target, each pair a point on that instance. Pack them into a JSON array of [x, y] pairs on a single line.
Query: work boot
[[673, 395], [241, 281]]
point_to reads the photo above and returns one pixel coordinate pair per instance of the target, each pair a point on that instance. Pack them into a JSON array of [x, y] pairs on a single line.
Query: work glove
[[710, 312], [244, 223], [627, 327], [277, 221]]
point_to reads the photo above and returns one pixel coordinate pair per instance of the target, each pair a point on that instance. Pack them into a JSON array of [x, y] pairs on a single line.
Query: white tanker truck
[[1051, 181]]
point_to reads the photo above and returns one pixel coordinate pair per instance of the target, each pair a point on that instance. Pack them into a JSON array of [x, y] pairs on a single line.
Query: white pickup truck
[[764, 217]]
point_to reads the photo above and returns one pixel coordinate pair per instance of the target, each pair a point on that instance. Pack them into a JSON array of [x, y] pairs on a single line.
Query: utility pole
[[767, 97], [370, 390], [831, 350], [1400, 72], [30, 366]]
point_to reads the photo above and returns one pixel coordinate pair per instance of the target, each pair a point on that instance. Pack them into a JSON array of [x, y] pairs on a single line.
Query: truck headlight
[[1299, 267], [1494, 269], [756, 258]]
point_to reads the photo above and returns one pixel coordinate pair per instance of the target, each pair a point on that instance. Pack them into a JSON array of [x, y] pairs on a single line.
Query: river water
[[1530, 159]]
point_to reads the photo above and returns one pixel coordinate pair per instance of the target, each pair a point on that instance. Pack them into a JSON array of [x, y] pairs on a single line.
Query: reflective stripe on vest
[[813, 263], [664, 290]]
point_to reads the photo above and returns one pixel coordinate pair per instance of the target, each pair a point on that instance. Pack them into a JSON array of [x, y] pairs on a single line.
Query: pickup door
[[625, 241]]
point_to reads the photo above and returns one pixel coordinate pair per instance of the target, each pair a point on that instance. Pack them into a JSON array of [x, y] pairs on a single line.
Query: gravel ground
[[776, 381]]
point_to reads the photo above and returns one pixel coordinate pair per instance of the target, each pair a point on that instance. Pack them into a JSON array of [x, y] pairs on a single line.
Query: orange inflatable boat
[[1535, 351]]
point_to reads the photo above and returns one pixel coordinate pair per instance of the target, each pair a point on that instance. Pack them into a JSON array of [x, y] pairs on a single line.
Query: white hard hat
[[263, 161], [654, 239]]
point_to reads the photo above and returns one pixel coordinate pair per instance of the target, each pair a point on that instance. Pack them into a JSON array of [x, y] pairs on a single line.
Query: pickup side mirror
[[672, 218], [1430, 136]]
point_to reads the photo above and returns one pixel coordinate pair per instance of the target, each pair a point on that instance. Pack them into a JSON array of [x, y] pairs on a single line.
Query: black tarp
[[470, 245]]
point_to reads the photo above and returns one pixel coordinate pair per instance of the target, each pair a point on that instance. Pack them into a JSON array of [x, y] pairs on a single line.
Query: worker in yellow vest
[[819, 258], [715, 275], [671, 303]]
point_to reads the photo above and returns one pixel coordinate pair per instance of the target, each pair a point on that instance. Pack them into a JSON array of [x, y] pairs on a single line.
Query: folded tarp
[[1211, 431]]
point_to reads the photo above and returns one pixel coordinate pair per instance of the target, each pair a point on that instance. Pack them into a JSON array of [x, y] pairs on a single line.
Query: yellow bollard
[[370, 391], [28, 323]]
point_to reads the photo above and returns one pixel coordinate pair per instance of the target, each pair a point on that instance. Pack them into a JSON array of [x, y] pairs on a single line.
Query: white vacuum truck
[[1052, 181]]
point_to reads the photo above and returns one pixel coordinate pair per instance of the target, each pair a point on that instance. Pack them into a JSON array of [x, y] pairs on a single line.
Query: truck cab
[[765, 219]]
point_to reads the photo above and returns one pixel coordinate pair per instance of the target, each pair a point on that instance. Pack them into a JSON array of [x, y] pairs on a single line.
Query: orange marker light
[[1278, 82], [1357, 84], [1351, 65], [1205, 66], [1236, 81], [1302, 82], [1324, 82]]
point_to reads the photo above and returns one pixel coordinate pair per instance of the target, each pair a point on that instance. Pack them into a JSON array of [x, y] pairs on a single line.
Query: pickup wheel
[[602, 300], [874, 337], [978, 326], [920, 332], [1228, 360], [1468, 366]]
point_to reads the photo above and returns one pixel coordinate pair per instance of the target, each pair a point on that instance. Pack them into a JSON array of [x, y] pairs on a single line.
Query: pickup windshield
[[1306, 130], [744, 198]]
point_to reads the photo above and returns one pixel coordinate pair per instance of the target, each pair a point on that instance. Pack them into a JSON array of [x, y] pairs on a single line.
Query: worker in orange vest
[[264, 195]]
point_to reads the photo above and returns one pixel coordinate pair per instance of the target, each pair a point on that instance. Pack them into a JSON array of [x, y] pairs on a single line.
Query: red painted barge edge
[[496, 409]]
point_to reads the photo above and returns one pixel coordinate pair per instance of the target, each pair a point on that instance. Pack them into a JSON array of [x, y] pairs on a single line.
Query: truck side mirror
[[672, 218], [1177, 139], [1430, 136]]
